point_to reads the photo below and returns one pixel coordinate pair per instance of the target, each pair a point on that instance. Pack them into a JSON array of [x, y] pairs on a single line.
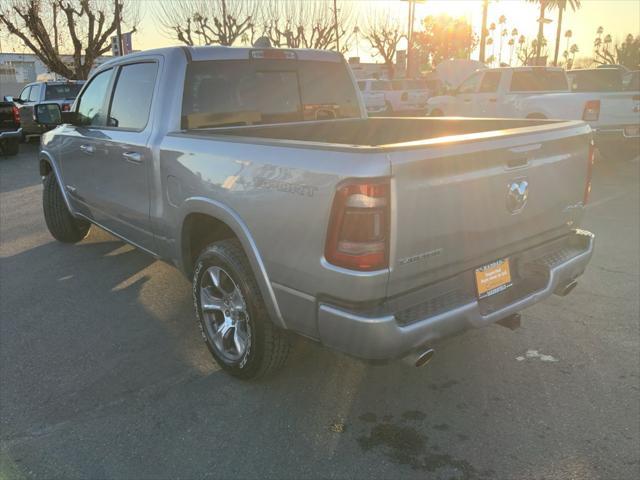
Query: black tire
[[536, 116], [10, 147], [267, 345], [436, 113], [389, 109], [61, 224]]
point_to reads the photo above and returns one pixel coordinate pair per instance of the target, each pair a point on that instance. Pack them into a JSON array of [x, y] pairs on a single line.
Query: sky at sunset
[[618, 17]]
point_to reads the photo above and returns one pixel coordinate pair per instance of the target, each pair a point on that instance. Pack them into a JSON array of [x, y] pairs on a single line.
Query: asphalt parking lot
[[104, 375]]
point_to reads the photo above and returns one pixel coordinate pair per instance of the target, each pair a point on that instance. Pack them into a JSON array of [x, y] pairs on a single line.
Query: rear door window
[[538, 80], [131, 101]]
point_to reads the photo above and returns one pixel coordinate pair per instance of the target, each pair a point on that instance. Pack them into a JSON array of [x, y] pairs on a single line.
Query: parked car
[[398, 101], [416, 87], [374, 101], [373, 236], [62, 93], [543, 92], [617, 126], [10, 131]]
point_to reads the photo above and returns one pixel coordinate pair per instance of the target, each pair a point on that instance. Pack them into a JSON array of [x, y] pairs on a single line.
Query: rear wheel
[[232, 315], [539, 116], [436, 113], [63, 226], [389, 109], [10, 147]]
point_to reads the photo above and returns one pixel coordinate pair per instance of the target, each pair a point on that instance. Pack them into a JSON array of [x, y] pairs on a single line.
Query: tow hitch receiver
[[512, 322]]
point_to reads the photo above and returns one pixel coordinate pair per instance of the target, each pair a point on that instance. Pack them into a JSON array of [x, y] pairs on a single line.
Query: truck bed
[[383, 132]]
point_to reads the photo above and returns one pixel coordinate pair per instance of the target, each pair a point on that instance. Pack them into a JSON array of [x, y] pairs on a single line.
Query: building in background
[[19, 69]]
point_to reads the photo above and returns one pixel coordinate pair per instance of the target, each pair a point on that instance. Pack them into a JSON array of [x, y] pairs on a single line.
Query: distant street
[[103, 373]]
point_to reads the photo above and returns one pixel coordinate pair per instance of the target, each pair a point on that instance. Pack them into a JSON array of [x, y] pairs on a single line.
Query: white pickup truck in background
[[544, 92], [397, 100]]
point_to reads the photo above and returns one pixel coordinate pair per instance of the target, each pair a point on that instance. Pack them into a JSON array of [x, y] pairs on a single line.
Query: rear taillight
[[16, 115], [591, 111], [358, 235], [590, 162], [66, 107]]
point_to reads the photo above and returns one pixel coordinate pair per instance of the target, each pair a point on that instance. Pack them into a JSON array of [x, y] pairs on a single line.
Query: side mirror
[[8, 98], [48, 114]]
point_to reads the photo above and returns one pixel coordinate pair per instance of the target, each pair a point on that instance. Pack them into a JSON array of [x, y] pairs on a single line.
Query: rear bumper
[[449, 307], [11, 134]]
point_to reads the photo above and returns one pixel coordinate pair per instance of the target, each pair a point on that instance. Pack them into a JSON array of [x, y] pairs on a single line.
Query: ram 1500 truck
[[259, 175]]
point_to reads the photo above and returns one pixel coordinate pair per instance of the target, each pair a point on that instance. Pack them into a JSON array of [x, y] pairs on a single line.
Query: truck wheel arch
[[214, 221], [47, 166]]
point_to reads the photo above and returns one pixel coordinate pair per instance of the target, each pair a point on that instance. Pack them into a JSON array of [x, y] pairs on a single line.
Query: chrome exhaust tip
[[420, 358], [566, 289]]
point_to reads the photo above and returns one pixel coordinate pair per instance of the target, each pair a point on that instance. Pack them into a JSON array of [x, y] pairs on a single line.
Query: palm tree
[[484, 31], [492, 28], [512, 43], [544, 4], [561, 5], [501, 21], [568, 34]]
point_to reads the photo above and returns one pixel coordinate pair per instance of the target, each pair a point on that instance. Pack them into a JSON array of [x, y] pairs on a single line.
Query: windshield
[[245, 92], [65, 91]]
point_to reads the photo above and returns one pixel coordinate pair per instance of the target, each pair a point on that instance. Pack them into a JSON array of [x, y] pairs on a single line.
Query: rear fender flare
[[219, 211]]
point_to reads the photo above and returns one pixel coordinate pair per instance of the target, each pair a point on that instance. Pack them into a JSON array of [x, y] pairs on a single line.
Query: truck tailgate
[[452, 208], [619, 109]]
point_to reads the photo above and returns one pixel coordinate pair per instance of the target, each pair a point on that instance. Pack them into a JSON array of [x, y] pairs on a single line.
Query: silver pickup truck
[[259, 175]]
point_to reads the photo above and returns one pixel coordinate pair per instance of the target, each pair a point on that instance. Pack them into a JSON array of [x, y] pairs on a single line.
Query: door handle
[[88, 149], [133, 157]]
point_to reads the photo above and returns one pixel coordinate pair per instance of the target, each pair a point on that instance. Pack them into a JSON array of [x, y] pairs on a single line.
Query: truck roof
[[206, 53], [524, 69]]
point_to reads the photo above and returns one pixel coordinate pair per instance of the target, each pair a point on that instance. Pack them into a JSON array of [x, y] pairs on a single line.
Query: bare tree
[[208, 22], [82, 27], [384, 32], [307, 24]]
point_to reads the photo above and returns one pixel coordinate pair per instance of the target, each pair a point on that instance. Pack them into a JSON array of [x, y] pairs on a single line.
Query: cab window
[[34, 94], [91, 103], [470, 85], [490, 82], [24, 94], [131, 102]]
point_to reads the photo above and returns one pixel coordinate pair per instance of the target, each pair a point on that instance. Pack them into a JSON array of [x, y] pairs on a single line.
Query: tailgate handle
[[520, 155], [516, 162]]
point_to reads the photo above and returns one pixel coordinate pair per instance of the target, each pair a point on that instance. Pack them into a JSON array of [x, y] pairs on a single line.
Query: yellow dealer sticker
[[493, 278]]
